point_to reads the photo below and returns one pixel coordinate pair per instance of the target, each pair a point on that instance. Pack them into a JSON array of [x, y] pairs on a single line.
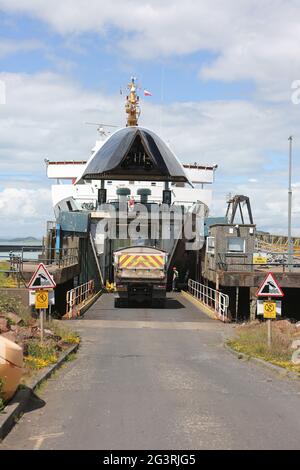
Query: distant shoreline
[[21, 240]]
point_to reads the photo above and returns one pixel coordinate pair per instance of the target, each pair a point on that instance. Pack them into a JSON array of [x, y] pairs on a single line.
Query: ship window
[[109, 182], [153, 184], [236, 245], [69, 206], [210, 245]]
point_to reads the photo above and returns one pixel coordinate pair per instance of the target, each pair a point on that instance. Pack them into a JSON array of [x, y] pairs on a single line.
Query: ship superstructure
[[132, 165]]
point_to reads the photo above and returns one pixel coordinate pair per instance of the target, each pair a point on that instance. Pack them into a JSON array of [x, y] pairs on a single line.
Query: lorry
[[140, 273]]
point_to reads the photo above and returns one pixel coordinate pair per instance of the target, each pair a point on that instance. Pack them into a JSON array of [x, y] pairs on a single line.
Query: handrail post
[[211, 297]]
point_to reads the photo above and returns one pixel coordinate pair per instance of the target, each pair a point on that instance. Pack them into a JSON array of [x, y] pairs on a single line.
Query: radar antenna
[[101, 128]]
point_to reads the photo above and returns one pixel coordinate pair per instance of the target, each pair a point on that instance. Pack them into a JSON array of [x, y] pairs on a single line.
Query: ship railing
[[249, 262], [76, 298], [52, 256], [62, 257], [19, 255], [212, 298], [17, 262]]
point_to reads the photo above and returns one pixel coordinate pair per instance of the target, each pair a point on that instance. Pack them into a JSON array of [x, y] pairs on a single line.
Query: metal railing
[[11, 271], [240, 262], [213, 298], [62, 257], [280, 240], [77, 297], [21, 260]]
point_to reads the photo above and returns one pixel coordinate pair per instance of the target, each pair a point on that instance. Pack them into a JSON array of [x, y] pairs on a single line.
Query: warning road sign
[[260, 307], [270, 310], [270, 288], [41, 299], [41, 279], [51, 297]]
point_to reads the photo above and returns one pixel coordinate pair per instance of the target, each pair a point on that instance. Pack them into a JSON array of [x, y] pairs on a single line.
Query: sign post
[[40, 282], [41, 303], [269, 314], [269, 288], [269, 322]]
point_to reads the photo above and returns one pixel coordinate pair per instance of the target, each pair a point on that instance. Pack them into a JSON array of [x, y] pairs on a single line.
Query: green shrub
[[9, 304], [66, 334], [40, 355], [7, 279]]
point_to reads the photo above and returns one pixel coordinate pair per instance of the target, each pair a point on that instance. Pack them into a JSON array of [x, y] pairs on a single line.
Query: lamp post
[[290, 241]]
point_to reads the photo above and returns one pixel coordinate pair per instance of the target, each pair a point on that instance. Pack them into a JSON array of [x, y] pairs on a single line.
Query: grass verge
[[7, 280], [251, 339]]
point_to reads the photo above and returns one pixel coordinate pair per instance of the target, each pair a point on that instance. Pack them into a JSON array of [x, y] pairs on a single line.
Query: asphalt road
[[159, 379]]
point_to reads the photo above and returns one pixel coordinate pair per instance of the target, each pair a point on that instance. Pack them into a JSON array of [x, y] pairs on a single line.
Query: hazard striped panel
[[141, 261]]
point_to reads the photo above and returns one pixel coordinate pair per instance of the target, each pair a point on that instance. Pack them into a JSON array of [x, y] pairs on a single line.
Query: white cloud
[[8, 47], [269, 206], [24, 203], [249, 39], [24, 211], [45, 114]]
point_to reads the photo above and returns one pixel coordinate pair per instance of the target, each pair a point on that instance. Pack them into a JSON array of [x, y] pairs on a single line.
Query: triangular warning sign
[[41, 279], [270, 288]]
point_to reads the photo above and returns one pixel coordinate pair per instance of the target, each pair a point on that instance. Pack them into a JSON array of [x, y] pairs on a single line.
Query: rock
[[284, 325], [295, 344], [35, 333], [11, 336], [3, 325], [15, 328], [25, 333], [13, 317], [48, 332], [297, 325]]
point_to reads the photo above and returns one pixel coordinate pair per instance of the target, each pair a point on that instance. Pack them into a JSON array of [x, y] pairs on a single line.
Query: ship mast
[[132, 105]]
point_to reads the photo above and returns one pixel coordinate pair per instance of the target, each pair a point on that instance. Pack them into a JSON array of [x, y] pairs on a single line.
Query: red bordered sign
[[270, 288], [41, 279]]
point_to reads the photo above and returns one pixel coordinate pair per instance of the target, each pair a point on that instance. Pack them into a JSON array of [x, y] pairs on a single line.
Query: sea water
[[27, 255]]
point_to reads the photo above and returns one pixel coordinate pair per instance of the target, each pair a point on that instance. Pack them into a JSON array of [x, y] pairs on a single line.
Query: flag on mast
[[147, 93]]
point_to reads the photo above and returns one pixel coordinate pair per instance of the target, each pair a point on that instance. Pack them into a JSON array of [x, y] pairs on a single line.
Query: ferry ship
[[133, 164]]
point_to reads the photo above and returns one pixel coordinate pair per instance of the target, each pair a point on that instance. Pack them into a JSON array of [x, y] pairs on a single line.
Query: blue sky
[[220, 78], [95, 63]]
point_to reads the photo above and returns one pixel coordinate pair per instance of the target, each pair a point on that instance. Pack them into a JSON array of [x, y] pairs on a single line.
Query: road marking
[[40, 439]]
